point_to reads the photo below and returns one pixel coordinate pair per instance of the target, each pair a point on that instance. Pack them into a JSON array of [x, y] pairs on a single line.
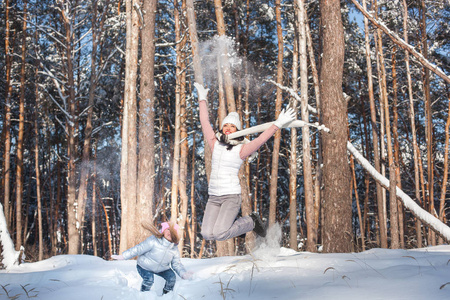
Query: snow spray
[[268, 248], [219, 54]]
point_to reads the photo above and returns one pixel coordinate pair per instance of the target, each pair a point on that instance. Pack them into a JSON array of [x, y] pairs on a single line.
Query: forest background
[[100, 129]]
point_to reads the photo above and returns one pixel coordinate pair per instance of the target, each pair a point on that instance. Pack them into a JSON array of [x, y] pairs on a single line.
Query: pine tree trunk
[[365, 138], [383, 97], [7, 121], [58, 231], [73, 222], [277, 138], [429, 120], [193, 232], [445, 170], [249, 238], [146, 167], [128, 168], [307, 170], [82, 189], [336, 173], [316, 153], [177, 133], [224, 62], [184, 148], [19, 155], [293, 232], [358, 207], [416, 151], [386, 128], [37, 164], [375, 139], [395, 241], [397, 146], [94, 204]]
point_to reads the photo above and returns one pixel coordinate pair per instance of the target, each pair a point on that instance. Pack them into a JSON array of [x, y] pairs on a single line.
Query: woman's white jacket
[[156, 255]]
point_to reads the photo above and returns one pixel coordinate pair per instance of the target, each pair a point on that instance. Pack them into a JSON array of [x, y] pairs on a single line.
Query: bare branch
[[400, 42]]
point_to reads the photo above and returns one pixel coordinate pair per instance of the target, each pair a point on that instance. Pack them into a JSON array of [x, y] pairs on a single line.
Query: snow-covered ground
[[270, 272]]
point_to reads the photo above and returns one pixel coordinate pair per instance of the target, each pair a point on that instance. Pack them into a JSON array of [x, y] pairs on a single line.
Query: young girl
[[158, 255], [224, 188]]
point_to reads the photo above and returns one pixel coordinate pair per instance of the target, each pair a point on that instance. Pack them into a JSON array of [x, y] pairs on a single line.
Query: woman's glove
[[117, 257], [286, 116], [201, 91], [188, 275]]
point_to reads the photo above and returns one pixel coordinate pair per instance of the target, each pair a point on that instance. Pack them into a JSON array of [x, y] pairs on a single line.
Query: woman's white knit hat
[[232, 118]]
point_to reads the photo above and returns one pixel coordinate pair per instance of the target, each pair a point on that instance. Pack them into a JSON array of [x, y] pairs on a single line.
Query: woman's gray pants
[[219, 220]]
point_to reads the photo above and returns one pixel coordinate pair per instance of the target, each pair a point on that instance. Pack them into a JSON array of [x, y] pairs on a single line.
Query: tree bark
[[184, 147], [380, 204], [277, 138], [393, 211], [193, 231], [94, 204], [307, 170], [247, 205], [177, 133], [397, 146], [146, 167], [224, 62], [37, 162], [7, 121], [358, 208], [19, 157], [445, 171], [293, 232], [429, 119], [416, 151], [128, 168], [381, 76], [318, 167], [395, 240], [73, 223], [336, 174]]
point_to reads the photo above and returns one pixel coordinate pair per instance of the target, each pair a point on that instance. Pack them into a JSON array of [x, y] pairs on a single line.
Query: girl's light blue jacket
[[156, 255]]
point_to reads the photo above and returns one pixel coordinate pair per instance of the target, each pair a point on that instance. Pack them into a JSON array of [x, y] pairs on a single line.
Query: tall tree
[[184, 147], [428, 117], [307, 169], [375, 138], [128, 168], [67, 13], [293, 216], [336, 174], [393, 207], [177, 123], [37, 165], [20, 143], [6, 175], [97, 28], [146, 168], [277, 136]]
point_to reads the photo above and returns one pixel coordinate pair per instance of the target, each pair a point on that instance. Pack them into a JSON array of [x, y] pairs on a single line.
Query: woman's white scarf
[[235, 143]]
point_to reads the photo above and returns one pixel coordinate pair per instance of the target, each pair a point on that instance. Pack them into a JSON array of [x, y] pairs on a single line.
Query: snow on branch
[[400, 42], [293, 94], [10, 255], [437, 225]]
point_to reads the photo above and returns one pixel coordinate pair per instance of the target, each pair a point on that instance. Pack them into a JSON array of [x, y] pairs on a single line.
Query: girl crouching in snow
[[158, 255]]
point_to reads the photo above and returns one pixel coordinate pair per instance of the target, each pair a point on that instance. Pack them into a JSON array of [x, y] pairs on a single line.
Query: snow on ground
[[269, 272]]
